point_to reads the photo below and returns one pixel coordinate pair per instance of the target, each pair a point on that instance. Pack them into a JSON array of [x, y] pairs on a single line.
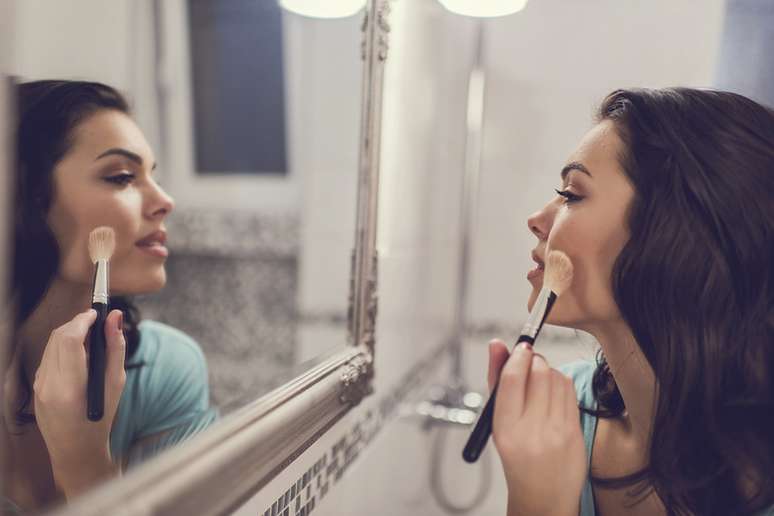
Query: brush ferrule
[[100, 283], [538, 314]]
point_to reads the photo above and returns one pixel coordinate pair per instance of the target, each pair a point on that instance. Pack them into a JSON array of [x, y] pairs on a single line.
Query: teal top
[[166, 398], [581, 373]]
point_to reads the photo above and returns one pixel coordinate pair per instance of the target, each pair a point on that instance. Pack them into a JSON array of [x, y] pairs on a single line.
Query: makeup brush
[[558, 277], [102, 243]]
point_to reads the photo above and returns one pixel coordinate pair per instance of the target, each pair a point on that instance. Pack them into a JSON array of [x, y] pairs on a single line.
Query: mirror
[[251, 114]]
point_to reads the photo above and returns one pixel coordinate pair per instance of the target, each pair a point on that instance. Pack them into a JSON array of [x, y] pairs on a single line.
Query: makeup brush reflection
[[102, 244]]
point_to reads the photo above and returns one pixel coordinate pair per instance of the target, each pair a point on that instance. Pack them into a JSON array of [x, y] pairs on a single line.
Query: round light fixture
[[323, 8], [484, 8]]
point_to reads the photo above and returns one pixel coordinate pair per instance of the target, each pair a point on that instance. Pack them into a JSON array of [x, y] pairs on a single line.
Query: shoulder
[[169, 365], [581, 372], [166, 379], [162, 345]]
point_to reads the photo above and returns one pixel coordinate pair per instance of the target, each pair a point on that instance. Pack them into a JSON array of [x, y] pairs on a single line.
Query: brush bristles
[[558, 274], [102, 243]]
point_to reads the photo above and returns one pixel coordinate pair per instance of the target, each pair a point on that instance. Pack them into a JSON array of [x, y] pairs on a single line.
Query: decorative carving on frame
[[372, 300], [383, 28], [355, 384], [351, 301], [364, 38]]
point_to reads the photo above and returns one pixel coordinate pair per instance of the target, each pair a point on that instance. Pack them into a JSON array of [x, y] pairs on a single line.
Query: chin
[[558, 315]]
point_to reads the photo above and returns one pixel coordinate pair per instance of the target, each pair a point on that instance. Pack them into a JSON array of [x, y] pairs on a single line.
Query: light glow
[[484, 8], [323, 8]]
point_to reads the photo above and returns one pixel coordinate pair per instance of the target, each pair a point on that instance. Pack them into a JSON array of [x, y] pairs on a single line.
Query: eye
[[121, 179], [569, 197]]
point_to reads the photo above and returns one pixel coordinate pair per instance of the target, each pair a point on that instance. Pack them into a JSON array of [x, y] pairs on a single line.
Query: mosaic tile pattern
[[311, 487]]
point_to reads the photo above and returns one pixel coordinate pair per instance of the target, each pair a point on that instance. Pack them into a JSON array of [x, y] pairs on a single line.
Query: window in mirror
[[240, 121]]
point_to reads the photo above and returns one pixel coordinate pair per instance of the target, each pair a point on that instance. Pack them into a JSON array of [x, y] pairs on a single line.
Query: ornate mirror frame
[[219, 469]]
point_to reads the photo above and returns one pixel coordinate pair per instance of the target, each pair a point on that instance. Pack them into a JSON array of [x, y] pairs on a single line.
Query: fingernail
[[120, 321], [526, 346]]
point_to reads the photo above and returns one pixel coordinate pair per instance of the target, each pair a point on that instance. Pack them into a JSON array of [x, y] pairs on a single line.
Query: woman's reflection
[[82, 162]]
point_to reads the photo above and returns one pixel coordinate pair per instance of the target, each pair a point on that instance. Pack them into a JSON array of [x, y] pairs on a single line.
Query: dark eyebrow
[[125, 153], [574, 165]]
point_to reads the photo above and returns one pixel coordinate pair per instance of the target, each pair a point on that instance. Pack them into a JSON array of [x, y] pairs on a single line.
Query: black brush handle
[[95, 391], [480, 435]]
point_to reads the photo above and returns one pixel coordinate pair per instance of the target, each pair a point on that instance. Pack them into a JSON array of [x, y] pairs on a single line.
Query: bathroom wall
[[550, 67], [745, 65], [547, 67]]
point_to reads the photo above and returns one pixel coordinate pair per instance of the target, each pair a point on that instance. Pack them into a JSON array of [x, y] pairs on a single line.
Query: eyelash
[[121, 179], [568, 196]]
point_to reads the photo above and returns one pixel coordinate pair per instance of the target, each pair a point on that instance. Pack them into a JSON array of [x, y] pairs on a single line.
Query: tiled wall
[[745, 65]]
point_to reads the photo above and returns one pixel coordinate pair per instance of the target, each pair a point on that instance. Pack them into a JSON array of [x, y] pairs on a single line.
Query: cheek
[[593, 249], [137, 276], [73, 222]]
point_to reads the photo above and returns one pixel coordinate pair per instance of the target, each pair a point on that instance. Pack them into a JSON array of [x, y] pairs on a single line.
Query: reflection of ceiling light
[[323, 8], [484, 8]]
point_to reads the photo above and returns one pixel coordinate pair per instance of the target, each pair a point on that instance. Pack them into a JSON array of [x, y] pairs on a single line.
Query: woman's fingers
[[572, 412], [116, 351], [69, 345], [538, 389], [498, 354], [511, 392], [558, 398]]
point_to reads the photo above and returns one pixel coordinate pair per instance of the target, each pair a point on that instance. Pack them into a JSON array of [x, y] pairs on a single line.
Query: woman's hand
[[536, 430], [79, 449]]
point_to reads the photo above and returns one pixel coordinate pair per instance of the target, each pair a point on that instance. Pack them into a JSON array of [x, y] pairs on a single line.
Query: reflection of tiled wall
[[301, 488], [232, 284]]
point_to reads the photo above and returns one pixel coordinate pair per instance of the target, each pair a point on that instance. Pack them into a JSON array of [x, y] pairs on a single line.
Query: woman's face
[[589, 224], [106, 179]]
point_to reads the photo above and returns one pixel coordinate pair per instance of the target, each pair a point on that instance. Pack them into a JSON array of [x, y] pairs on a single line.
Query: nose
[[540, 222], [160, 203]]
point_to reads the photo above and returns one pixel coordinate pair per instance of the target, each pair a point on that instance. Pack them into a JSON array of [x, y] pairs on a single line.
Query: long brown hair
[[695, 283], [48, 112]]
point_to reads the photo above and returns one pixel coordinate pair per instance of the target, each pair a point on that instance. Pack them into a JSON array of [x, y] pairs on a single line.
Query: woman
[[666, 211], [82, 162]]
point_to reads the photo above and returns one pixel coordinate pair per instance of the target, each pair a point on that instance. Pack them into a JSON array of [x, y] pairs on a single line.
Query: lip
[[155, 249], [159, 236], [538, 270], [535, 273], [537, 259], [153, 244]]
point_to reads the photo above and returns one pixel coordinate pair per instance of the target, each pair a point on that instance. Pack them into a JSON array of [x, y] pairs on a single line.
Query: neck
[[63, 301], [634, 377]]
